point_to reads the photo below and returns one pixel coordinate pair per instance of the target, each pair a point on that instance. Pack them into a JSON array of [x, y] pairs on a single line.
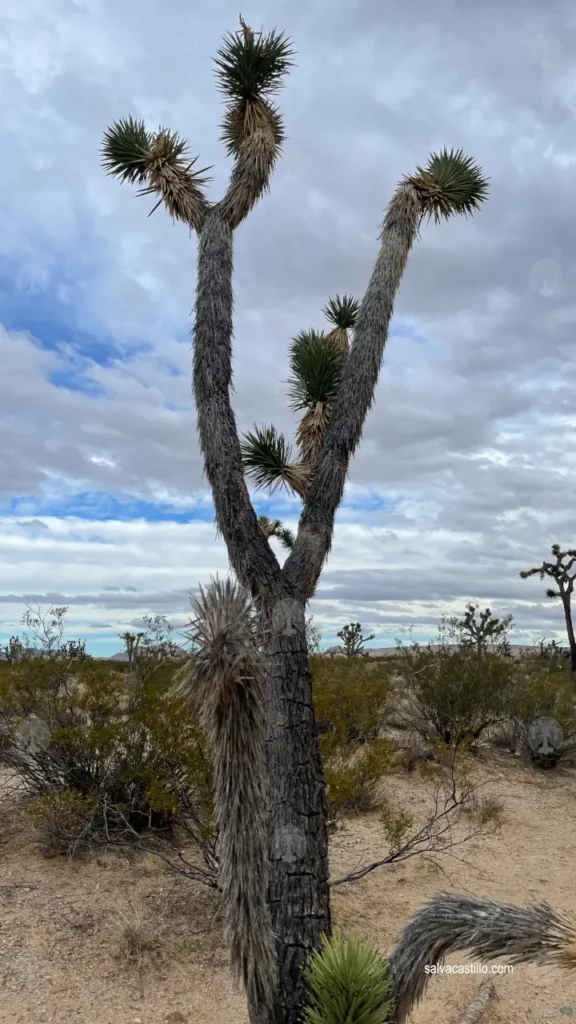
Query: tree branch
[[250, 177], [477, 1008], [251, 556], [355, 396]]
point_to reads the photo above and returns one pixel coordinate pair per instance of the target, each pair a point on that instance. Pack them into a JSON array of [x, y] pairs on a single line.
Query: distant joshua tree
[[484, 631], [353, 639], [563, 574]]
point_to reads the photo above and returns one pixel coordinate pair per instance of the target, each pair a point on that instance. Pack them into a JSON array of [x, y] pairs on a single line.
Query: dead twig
[[476, 1009]]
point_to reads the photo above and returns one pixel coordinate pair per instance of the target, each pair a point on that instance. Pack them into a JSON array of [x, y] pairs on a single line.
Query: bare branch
[[477, 1008]]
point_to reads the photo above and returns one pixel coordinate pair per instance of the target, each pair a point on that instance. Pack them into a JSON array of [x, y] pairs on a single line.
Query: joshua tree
[[481, 632], [250, 67], [560, 572], [353, 639]]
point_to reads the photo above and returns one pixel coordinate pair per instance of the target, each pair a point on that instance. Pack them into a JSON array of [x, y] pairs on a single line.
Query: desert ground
[[114, 939]]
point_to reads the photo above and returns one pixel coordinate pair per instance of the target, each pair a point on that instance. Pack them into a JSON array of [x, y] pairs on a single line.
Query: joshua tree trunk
[[298, 838], [570, 628]]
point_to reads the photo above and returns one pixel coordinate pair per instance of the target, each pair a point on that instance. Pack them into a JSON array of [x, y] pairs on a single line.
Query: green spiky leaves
[[132, 153], [450, 184], [266, 457], [348, 981], [126, 150], [274, 528], [342, 311], [317, 365], [250, 65]]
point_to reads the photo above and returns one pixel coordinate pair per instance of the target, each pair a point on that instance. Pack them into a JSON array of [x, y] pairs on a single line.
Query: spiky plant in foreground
[[223, 680], [250, 67], [347, 984]]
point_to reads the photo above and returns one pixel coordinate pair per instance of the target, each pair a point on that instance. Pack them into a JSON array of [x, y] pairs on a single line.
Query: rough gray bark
[[298, 850], [566, 601], [251, 556]]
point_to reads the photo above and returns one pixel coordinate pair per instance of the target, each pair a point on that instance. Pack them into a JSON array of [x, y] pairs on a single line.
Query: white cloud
[[472, 432]]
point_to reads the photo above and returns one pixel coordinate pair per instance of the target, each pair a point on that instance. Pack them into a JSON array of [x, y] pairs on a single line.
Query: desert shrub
[[137, 933], [107, 753], [543, 693], [64, 821], [349, 697], [453, 695], [352, 780]]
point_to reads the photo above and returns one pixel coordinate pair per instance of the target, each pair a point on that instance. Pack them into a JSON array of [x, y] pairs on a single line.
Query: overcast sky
[[465, 474]]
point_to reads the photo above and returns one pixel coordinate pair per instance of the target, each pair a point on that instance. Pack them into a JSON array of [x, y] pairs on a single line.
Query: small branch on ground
[[476, 1009]]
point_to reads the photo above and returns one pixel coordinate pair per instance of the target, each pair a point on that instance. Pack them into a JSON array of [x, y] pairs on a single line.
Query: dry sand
[[60, 921]]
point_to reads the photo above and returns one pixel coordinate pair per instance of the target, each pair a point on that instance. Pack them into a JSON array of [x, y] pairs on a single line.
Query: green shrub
[[352, 780], [349, 696], [454, 695], [119, 756], [64, 821], [540, 693]]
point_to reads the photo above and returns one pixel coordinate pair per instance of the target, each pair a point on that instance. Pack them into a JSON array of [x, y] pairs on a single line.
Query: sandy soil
[[62, 923]]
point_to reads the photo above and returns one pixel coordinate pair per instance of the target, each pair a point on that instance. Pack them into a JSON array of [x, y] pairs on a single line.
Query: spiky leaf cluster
[[342, 311], [317, 362], [317, 366], [132, 153], [451, 183], [126, 150], [348, 981], [274, 528], [250, 67], [267, 458]]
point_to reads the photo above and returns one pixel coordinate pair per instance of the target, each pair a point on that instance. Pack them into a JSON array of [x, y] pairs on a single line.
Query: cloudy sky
[[466, 470]]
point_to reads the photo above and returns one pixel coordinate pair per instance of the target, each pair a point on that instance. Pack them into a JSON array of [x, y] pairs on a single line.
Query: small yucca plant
[[348, 983]]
